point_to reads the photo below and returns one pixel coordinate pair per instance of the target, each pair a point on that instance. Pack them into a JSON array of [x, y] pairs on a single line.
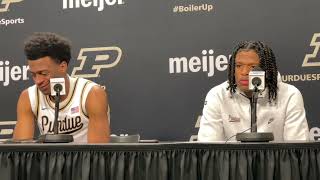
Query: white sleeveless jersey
[[73, 118]]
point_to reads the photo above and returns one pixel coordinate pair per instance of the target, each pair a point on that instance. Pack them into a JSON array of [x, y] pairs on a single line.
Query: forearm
[[98, 130], [98, 136], [22, 132]]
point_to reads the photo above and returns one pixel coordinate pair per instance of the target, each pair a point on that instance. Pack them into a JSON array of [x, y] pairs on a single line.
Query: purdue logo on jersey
[[67, 125]]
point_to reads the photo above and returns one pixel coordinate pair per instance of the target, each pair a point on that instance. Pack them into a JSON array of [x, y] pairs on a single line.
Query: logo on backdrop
[[207, 62], [194, 7], [315, 134], [10, 73], [6, 129], [92, 60], [310, 60], [100, 4], [4, 4], [197, 125]]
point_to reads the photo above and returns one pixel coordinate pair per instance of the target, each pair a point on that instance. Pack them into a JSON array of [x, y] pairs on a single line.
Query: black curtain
[[161, 162]]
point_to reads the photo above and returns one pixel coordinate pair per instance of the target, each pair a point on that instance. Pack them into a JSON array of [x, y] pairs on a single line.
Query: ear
[[63, 66]]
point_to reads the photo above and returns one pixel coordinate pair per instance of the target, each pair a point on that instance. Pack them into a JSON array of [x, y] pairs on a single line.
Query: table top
[[157, 146]]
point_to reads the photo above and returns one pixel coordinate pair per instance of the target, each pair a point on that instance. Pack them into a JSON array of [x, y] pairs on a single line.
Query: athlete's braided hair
[[267, 63]]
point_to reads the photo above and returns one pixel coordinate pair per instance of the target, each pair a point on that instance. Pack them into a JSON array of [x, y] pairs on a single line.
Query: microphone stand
[[254, 136], [56, 137], [253, 104]]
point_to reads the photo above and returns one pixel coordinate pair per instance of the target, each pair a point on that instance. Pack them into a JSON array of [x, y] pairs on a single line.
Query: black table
[[161, 161]]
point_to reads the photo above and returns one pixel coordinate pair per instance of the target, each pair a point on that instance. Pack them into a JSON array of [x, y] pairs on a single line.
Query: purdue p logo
[[95, 59], [4, 4], [315, 42]]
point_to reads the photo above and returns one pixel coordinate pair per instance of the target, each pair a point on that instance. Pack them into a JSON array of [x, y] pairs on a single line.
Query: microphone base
[[55, 138], [255, 137]]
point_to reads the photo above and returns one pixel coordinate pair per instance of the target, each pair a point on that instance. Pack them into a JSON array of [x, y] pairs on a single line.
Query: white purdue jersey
[[73, 117]]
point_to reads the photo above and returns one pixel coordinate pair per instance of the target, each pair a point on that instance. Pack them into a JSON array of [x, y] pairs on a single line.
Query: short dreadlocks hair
[[42, 44], [267, 63]]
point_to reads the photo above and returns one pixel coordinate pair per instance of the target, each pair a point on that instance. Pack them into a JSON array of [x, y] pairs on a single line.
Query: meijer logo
[[95, 59], [4, 4], [207, 63], [100, 4], [14, 73], [314, 134], [315, 42]]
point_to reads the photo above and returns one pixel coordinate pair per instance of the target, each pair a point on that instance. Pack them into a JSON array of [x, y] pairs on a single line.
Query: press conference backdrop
[[158, 59]]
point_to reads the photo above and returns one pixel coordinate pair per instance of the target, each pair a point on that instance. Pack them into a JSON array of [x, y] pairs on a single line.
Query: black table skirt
[[174, 161]]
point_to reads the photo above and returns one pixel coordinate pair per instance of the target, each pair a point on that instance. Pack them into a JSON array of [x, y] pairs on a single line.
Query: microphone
[[57, 86], [256, 84], [257, 79]]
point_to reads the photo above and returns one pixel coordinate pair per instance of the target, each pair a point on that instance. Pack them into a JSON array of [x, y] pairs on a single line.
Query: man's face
[[245, 62], [43, 69]]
